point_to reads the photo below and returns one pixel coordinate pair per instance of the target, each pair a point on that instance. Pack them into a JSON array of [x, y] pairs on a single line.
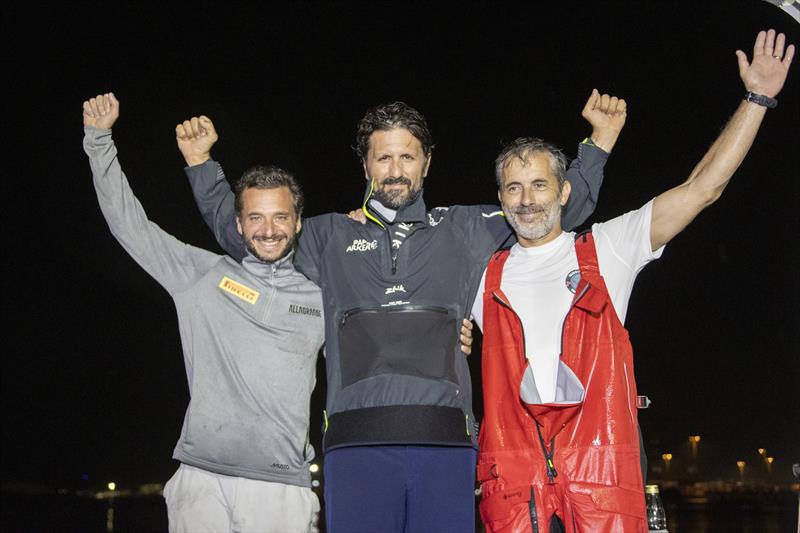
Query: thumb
[[207, 125], [592, 101], [741, 57]]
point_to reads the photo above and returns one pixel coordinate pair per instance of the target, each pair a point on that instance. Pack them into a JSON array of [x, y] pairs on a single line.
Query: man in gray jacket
[[250, 333]]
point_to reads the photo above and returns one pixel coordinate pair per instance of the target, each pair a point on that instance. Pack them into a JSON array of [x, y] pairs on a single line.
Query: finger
[[612, 105], [195, 127], [180, 132], [187, 127], [787, 59], [87, 110], [604, 101], [465, 339], [741, 57], [769, 44], [466, 324], [622, 106], [206, 124], [780, 41], [113, 101], [93, 106], [758, 47]]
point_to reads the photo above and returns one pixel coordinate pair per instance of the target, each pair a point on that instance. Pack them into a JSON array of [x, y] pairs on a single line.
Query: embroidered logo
[[301, 310], [440, 211], [237, 289], [395, 288], [573, 278], [362, 245]]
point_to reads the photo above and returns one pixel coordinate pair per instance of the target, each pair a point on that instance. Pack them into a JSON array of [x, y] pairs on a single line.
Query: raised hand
[[102, 111], [767, 73], [195, 138], [607, 115]]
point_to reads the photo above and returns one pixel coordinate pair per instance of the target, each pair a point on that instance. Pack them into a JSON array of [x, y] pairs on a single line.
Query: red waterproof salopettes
[[578, 457]]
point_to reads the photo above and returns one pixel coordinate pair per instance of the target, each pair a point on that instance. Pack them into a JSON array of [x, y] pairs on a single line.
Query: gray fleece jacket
[[250, 334]]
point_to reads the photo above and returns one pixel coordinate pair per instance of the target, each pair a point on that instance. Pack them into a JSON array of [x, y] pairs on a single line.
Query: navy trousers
[[400, 489]]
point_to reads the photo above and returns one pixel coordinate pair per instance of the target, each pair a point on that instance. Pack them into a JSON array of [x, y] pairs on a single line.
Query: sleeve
[[485, 228], [623, 250], [174, 264], [585, 175], [214, 198], [309, 250]]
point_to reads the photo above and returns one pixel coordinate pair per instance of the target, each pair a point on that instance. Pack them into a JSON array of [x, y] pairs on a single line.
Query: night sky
[[92, 374]]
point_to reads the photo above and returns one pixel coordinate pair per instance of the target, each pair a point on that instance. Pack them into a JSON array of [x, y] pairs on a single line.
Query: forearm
[[712, 174], [585, 175], [161, 255], [215, 200]]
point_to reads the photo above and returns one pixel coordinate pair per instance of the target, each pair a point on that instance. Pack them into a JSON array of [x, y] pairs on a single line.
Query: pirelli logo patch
[[237, 289]]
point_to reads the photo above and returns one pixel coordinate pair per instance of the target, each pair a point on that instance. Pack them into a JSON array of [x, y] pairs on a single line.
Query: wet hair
[[268, 177], [523, 148], [388, 117]]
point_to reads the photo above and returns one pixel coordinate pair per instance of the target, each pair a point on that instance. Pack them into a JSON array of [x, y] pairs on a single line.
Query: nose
[[396, 168], [527, 196], [268, 227]]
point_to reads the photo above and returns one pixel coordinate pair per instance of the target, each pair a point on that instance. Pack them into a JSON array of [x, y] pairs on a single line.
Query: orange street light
[[740, 465], [667, 457]]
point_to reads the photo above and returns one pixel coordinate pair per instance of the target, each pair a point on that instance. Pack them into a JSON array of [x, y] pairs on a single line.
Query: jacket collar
[[263, 269], [381, 215]]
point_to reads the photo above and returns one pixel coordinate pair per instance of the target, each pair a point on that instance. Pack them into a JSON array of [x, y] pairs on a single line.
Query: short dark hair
[[524, 147], [268, 177], [388, 117]]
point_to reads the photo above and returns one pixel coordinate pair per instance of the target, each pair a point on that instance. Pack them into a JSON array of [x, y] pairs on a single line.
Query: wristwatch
[[760, 99]]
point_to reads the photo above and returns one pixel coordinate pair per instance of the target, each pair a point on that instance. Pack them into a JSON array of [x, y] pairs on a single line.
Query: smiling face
[[268, 222], [532, 199], [397, 164]]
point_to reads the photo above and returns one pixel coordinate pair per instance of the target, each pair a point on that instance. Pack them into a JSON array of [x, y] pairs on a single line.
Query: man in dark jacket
[[400, 435]]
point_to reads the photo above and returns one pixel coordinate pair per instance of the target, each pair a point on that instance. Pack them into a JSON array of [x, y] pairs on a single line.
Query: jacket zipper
[[548, 456], [532, 512], [404, 309]]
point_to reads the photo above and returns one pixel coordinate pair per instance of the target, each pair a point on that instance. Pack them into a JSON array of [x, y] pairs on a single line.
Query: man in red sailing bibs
[[559, 448]]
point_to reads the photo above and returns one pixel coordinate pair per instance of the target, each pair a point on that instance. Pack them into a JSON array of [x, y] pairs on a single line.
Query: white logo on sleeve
[[362, 245]]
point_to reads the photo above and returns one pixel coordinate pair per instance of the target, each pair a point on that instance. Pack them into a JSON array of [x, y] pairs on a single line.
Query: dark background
[[93, 383]]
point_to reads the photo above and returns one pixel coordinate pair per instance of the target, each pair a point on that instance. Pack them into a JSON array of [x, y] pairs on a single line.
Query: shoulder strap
[[587, 256], [494, 270]]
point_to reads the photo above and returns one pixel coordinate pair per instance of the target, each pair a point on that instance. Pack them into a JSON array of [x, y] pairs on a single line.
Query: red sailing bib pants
[[578, 457]]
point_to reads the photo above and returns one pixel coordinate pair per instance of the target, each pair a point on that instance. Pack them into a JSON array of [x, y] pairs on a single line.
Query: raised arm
[[172, 263], [677, 207], [211, 190], [606, 114]]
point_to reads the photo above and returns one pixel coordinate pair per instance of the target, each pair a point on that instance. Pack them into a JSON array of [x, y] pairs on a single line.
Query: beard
[[546, 216], [250, 244], [396, 198]]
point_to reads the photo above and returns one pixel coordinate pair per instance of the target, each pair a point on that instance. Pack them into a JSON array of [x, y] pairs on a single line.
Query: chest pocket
[[410, 340]]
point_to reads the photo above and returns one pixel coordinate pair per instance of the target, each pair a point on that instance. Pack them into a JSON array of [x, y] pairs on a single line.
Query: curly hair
[[390, 116]]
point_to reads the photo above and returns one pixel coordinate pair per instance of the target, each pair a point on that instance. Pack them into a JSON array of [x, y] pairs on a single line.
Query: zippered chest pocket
[[410, 340]]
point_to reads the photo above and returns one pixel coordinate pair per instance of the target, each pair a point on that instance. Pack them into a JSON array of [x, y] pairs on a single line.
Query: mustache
[[269, 238], [528, 209], [397, 180]]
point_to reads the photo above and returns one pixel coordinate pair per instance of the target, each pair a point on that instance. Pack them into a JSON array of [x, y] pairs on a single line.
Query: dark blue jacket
[[394, 367]]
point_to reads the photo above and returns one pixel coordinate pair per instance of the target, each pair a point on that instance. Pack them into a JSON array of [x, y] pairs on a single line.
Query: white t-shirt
[[540, 282]]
